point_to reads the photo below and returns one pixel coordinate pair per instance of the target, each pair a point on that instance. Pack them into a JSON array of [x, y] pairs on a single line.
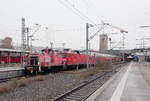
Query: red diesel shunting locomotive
[[49, 59]]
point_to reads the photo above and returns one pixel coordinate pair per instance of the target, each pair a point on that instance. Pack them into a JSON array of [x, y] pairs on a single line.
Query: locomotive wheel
[[34, 72], [31, 72], [65, 66], [26, 72]]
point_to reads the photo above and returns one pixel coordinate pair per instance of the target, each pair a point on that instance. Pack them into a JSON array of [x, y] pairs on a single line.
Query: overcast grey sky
[[126, 14]]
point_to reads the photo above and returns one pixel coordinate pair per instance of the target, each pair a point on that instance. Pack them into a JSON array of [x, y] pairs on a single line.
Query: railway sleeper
[[76, 96], [73, 98], [65, 99]]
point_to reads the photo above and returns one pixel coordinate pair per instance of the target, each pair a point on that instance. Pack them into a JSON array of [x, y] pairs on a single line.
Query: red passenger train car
[[8, 56], [67, 59]]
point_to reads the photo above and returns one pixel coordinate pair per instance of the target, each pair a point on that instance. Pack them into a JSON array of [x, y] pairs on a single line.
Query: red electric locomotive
[[76, 59]]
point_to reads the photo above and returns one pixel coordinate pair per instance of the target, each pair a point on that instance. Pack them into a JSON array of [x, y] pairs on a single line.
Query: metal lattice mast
[[23, 41], [27, 31]]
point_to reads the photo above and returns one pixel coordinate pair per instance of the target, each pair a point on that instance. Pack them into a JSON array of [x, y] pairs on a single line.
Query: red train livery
[[49, 59], [10, 56]]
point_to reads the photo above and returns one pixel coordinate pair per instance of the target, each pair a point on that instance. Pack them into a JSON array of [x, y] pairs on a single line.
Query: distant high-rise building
[[103, 43]]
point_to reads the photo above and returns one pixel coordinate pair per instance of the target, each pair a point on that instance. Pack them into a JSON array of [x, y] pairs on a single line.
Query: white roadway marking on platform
[[119, 90]]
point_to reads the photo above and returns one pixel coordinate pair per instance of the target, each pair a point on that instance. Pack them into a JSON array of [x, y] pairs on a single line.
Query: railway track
[[81, 92], [10, 78], [84, 90], [4, 80]]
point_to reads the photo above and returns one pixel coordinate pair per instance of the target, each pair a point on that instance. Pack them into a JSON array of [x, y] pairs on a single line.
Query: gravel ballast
[[45, 90], [42, 90]]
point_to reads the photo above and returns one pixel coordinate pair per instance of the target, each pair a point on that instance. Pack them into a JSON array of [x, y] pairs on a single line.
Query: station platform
[[132, 83], [6, 69], [9, 72]]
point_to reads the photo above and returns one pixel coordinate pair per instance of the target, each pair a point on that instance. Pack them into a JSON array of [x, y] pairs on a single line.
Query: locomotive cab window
[[33, 60]]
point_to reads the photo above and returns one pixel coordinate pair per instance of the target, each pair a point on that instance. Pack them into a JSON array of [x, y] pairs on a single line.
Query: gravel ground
[[44, 90]]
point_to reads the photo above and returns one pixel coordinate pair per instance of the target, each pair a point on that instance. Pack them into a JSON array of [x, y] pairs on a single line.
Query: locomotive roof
[[102, 54]]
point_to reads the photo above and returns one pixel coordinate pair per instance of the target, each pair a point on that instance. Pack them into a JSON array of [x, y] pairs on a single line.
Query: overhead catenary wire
[[36, 30], [92, 5], [76, 11], [71, 9], [116, 45], [79, 11], [91, 37], [74, 29]]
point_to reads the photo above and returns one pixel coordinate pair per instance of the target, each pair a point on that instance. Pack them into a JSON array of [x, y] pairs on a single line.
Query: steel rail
[[84, 84], [79, 87]]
